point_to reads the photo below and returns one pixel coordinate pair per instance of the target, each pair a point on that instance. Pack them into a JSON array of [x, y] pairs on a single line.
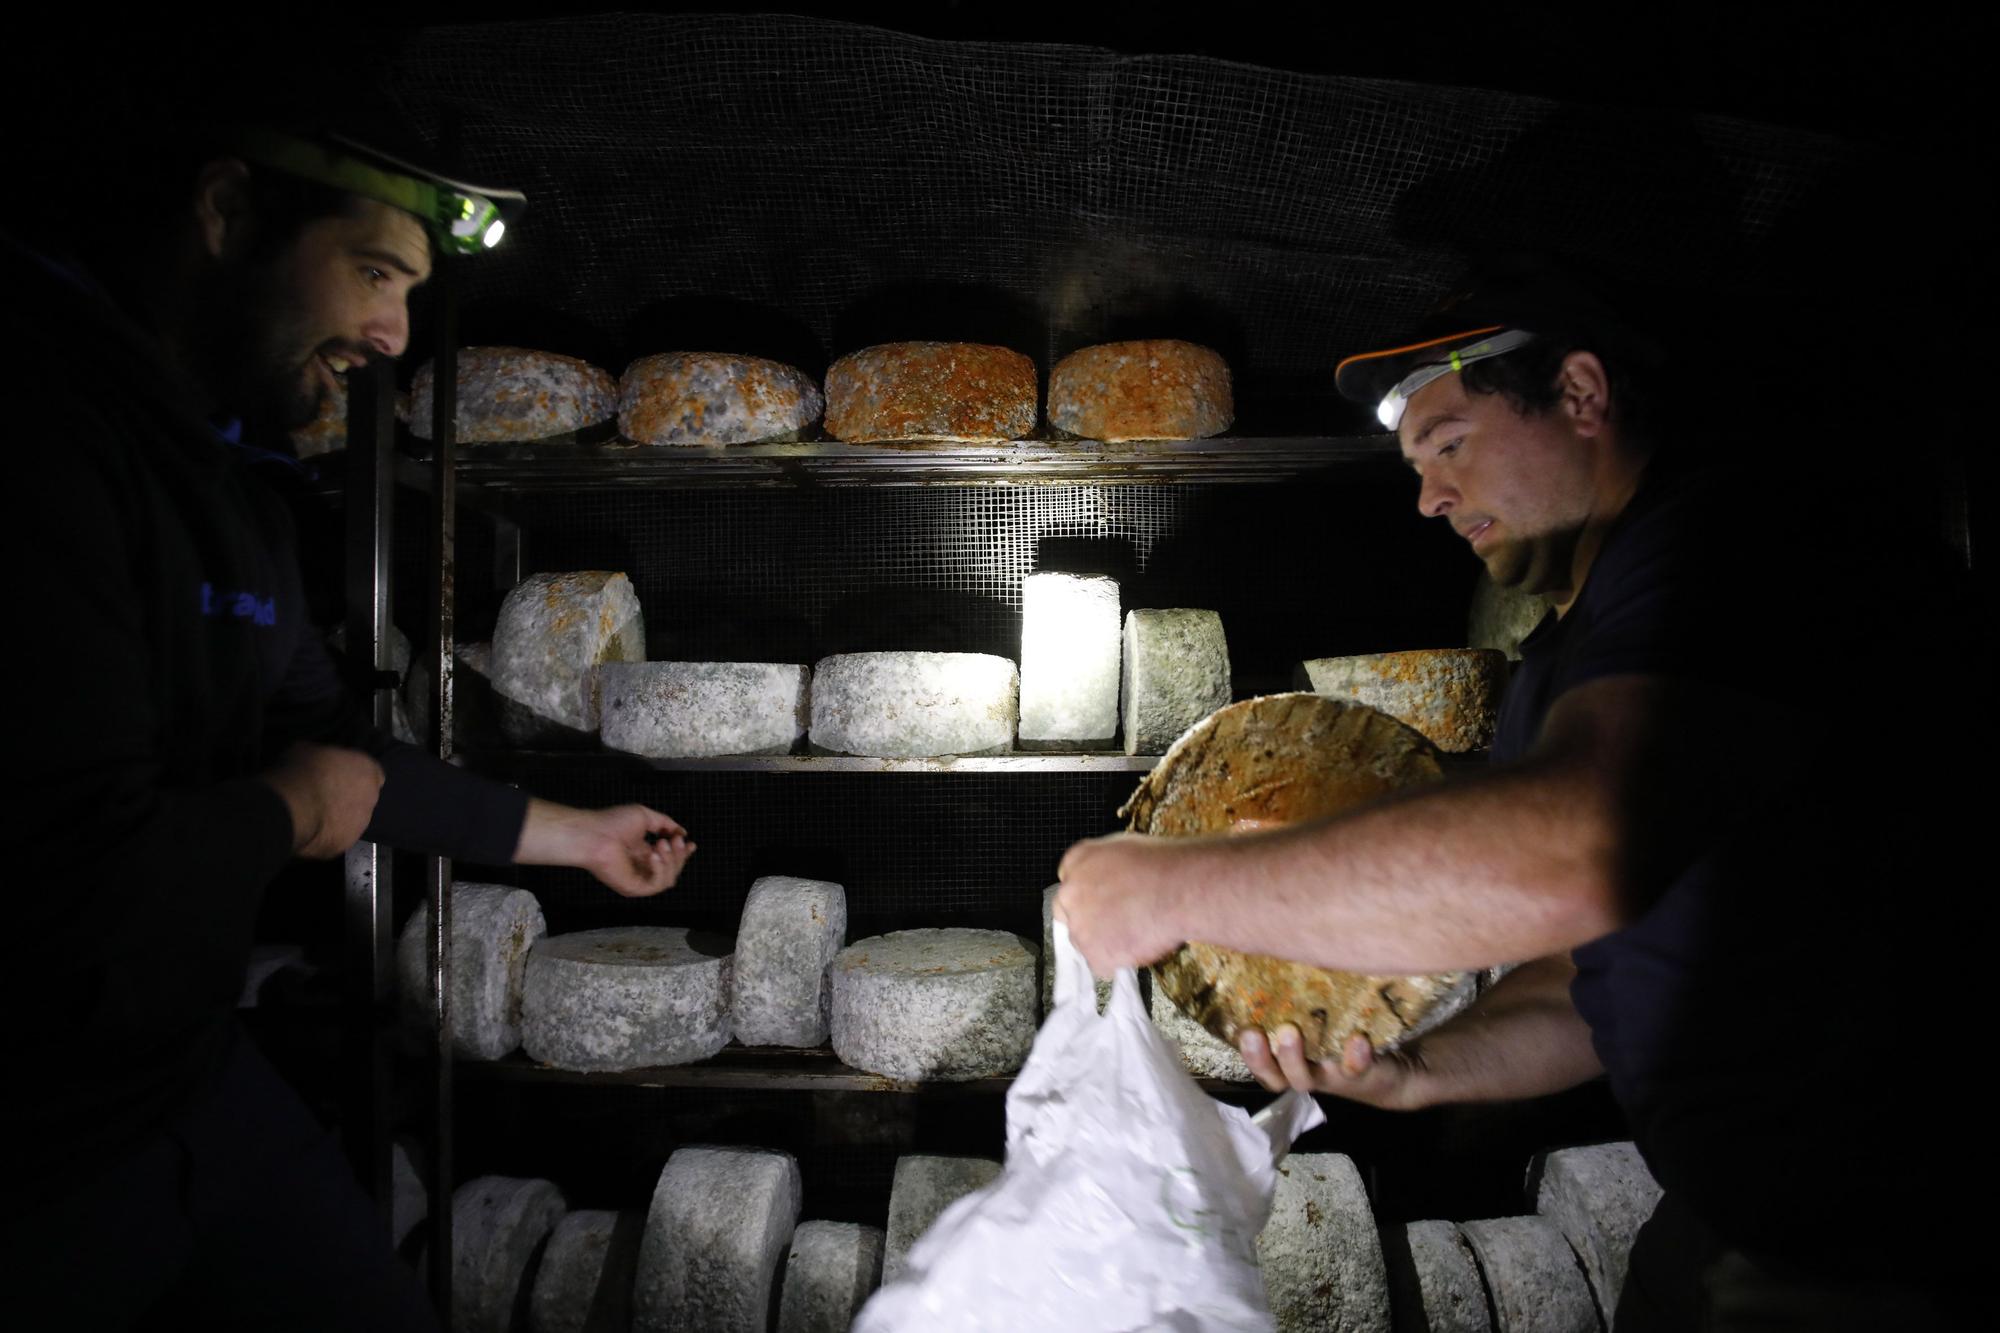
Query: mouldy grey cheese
[[626, 997], [790, 930], [701, 398], [512, 394], [1434, 1284], [1500, 618], [1598, 1197], [935, 1004], [1532, 1277], [1176, 674], [584, 1282], [1049, 957], [689, 710], [553, 633], [719, 1226], [497, 1224], [1151, 389], [492, 929], [1321, 1259], [829, 1275], [1069, 658], [1451, 695], [908, 705], [1202, 1053], [922, 1189], [931, 391]]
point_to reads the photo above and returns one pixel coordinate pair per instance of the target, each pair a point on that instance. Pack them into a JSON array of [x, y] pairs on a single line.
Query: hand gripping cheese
[[922, 1189], [1069, 658], [719, 1226], [931, 391], [1451, 695], [714, 398], [626, 997], [1434, 1284], [935, 1004], [689, 710], [829, 1275], [554, 631], [1532, 1278], [790, 930], [492, 929], [584, 1282], [498, 1224], [1321, 1258], [1176, 674], [1598, 1198], [905, 705], [511, 394], [1152, 389]]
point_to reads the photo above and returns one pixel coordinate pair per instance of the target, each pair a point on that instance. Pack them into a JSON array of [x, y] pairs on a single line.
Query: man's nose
[[1435, 499], [388, 329]]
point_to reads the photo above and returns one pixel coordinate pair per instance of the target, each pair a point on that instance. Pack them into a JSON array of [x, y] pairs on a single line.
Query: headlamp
[[1390, 410], [462, 219]]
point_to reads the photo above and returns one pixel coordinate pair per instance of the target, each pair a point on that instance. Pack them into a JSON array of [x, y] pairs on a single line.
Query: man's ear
[[222, 206], [1586, 392]]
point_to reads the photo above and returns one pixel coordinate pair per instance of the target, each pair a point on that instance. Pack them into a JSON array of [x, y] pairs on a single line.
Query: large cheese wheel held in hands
[[1257, 765], [553, 633], [720, 1223], [626, 997], [931, 391], [1150, 389], [706, 398], [493, 928], [942, 1005], [692, 710], [912, 705], [510, 394]]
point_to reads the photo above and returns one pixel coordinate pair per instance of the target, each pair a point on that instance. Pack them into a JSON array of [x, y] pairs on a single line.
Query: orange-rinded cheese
[[1451, 695], [1153, 389], [714, 398], [931, 391]]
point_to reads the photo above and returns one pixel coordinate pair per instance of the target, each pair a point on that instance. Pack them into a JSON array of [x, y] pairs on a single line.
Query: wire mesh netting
[[800, 187]]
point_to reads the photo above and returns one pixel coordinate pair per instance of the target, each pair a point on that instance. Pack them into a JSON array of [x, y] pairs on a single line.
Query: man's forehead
[[1438, 401]]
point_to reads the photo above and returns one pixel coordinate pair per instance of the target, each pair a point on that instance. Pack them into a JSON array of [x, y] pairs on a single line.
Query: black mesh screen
[[801, 187]]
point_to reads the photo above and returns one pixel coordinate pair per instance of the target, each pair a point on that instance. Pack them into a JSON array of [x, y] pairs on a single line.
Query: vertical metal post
[[506, 554], [369, 897], [444, 422]]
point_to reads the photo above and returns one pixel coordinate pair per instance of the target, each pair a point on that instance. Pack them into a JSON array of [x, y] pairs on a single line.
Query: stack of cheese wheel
[[905, 705], [493, 928], [553, 633], [692, 710], [1451, 695], [931, 391], [720, 1223], [1598, 1197], [626, 997], [702, 398], [935, 1004], [1152, 389], [1434, 1281], [498, 1225], [509, 394]]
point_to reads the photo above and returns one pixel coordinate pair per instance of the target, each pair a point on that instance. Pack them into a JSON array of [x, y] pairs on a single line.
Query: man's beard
[[256, 355], [1542, 565]]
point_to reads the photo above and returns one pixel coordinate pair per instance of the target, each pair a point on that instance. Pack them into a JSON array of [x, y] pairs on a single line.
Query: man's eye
[[1449, 448], [375, 276]]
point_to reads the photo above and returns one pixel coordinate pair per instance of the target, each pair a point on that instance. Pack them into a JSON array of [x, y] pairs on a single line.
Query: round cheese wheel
[[493, 927], [1451, 695], [714, 398], [1152, 389], [553, 632], [1434, 1282], [584, 1282], [935, 1004], [931, 391], [720, 1223], [512, 394], [683, 710], [1176, 672], [1321, 1258], [790, 930], [1532, 1277], [832, 1269], [1598, 1197], [626, 997], [923, 1187], [498, 1224], [914, 704]]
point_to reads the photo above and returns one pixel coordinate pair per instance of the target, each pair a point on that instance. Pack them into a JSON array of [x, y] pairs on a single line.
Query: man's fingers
[[1357, 1057], [1257, 1055], [1291, 1054]]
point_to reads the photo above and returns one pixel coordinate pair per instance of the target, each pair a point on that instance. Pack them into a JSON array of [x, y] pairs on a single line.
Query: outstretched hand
[[635, 851]]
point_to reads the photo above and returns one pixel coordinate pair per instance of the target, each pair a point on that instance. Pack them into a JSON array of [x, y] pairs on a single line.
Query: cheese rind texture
[[498, 1224], [789, 932], [923, 1187], [493, 929], [914, 705], [720, 1223], [942, 1005], [708, 398], [829, 1275], [694, 710], [1176, 673], [1149, 389], [1321, 1257], [626, 997], [553, 633], [1451, 695], [931, 391], [511, 394]]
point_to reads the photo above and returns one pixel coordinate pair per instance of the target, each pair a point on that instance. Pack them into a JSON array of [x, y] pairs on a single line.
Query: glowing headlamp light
[[1390, 410], [462, 219]]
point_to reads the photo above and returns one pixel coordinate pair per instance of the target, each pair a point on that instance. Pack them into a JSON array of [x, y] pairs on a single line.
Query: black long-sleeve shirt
[[165, 659]]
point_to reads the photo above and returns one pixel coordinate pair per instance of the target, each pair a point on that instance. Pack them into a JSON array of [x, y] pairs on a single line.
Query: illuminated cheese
[[684, 710], [1070, 655], [1451, 695], [553, 633], [923, 1188], [714, 398], [902, 705], [935, 1004], [1321, 1258], [931, 391], [1434, 1283], [720, 1223], [1598, 1197], [1176, 674], [1533, 1281], [1152, 389], [832, 1269]]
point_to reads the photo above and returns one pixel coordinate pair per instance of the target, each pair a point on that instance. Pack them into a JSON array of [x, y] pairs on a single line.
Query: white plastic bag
[[1130, 1198]]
